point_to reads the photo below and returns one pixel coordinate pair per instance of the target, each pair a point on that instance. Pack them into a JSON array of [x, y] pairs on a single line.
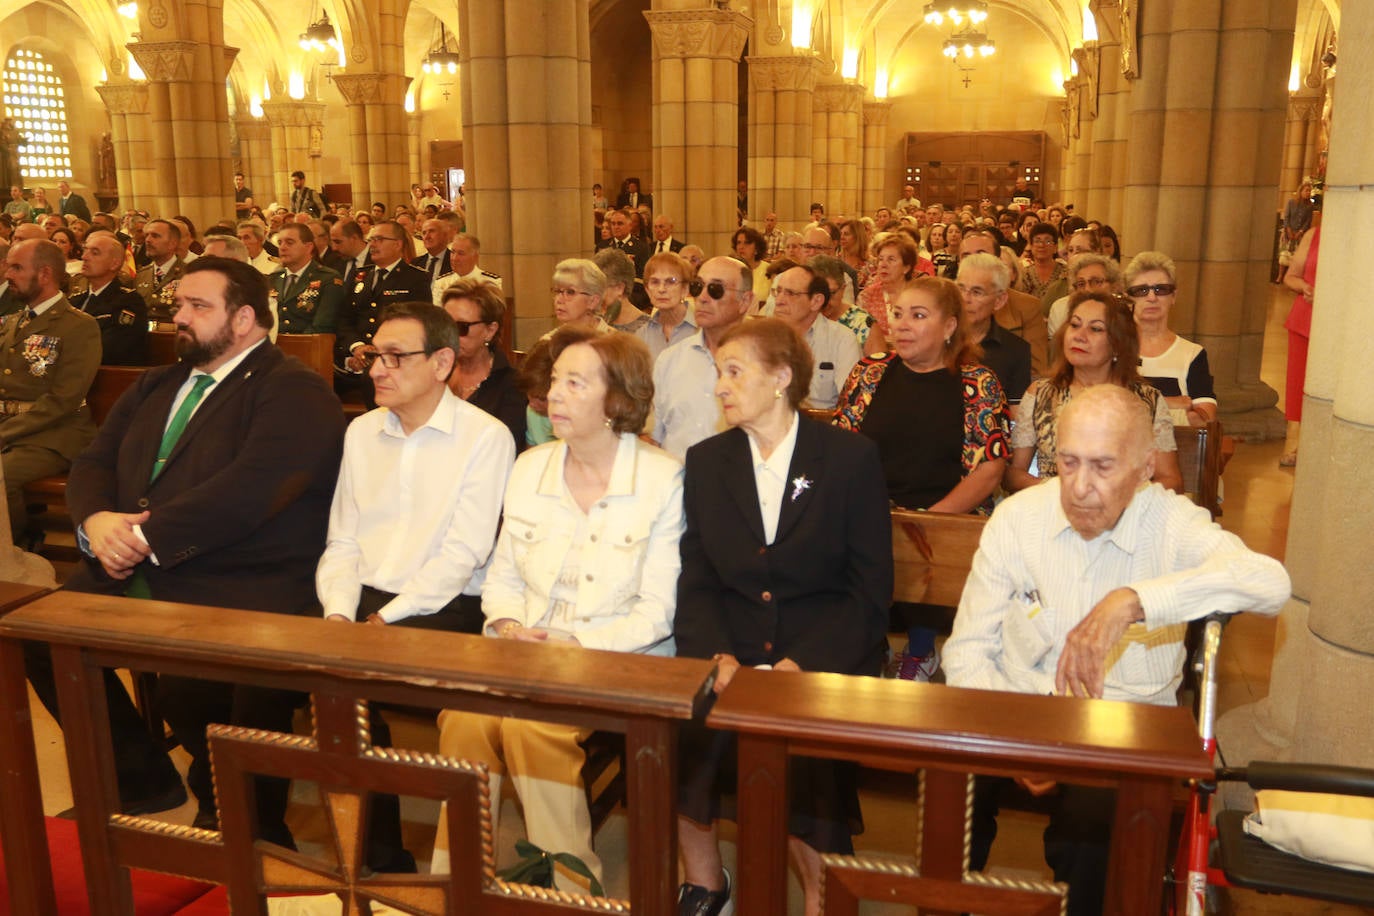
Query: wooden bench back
[[162, 348], [1199, 458], [932, 553], [315, 350], [110, 382]]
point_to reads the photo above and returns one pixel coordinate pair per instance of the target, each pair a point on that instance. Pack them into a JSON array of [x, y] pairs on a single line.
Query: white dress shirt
[[770, 478], [415, 515], [625, 550], [835, 350], [1034, 578], [685, 406]]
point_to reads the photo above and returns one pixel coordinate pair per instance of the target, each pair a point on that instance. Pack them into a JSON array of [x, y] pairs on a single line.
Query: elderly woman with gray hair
[[578, 288], [1089, 272], [620, 312], [1177, 367]]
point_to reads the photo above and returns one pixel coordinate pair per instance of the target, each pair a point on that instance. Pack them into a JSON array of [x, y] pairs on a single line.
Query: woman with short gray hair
[[578, 287]]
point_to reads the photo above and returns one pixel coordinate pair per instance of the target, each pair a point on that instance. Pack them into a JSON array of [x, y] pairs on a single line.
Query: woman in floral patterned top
[[940, 422], [1098, 344]]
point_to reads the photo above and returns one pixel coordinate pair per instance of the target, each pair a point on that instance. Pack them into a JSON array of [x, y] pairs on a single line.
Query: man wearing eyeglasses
[[416, 509], [388, 279], [686, 410], [209, 483], [983, 281], [800, 298], [824, 240], [1022, 314]]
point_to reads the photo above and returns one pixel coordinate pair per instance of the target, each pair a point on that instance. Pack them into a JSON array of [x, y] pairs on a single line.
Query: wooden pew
[[646, 698], [932, 553], [903, 727], [1199, 458], [162, 348], [315, 350]]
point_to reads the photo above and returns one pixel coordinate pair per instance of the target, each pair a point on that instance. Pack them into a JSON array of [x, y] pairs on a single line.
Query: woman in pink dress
[[1302, 278]]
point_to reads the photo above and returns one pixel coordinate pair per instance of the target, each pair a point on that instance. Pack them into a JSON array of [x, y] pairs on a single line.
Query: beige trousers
[[545, 762]]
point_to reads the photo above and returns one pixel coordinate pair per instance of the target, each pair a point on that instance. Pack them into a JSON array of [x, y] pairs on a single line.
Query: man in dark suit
[[389, 279], [621, 238], [49, 354], [119, 310], [1022, 314], [437, 261], [630, 197], [72, 204], [347, 249], [210, 483], [307, 294], [663, 236]]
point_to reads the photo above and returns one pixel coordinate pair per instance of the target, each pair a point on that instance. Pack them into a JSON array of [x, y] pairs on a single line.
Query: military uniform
[[311, 304], [159, 296], [123, 319], [47, 364], [362, 313], [449, 279]]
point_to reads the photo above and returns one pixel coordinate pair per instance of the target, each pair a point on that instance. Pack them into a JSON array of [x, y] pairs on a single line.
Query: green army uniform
[[159, 295], [310, 305]]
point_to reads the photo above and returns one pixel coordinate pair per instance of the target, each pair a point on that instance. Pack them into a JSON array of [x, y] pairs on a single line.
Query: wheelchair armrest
[[1303, 777]]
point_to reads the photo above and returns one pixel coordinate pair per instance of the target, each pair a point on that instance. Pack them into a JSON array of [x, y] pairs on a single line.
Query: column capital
[[792, 72], [371, 88], [876, 112], [293, 113], [125, 97], [842, 97], [164, 61], [230, 54], [708, 33], [251, 128]]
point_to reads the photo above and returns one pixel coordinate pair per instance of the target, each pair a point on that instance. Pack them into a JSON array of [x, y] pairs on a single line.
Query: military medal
[[40, 350]]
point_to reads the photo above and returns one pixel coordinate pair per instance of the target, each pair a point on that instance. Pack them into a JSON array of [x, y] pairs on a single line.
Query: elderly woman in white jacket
[[587, 556]]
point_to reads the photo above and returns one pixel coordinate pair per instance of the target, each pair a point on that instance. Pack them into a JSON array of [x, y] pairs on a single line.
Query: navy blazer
[[820, 593], [240, 511]]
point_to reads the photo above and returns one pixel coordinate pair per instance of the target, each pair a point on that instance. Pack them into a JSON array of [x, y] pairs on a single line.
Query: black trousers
[[1077, 840]]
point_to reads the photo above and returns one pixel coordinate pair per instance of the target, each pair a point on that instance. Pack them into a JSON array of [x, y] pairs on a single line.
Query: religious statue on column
[[106, 177], [10, 141]]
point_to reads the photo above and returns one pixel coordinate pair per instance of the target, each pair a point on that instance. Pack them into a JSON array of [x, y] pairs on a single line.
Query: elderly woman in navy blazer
[[786, 563]]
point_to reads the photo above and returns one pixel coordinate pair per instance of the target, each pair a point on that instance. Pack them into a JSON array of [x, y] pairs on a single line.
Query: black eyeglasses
[[715, 289], [381, 238], [465, 326], [389, 359], [1144, 289]]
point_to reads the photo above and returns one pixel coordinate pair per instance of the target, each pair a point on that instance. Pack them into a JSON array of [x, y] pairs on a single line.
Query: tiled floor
[[1257, 494]]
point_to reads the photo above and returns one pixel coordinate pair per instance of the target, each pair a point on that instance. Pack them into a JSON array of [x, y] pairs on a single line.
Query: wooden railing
[[645, 698], [1141, 750], [904, 727]]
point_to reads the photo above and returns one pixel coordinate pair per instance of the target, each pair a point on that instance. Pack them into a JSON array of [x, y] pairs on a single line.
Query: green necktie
[[179, 421], [138, 583]]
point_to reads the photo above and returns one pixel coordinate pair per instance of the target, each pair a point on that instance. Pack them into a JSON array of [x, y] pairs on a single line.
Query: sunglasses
[[465, 326], [715, 289], [1144, 289]]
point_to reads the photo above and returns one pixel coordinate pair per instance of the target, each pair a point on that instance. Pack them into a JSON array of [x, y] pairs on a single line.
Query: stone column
[[1109, 112], [1324, 650], [377, 135], [1078, 146], [780, 139], [255, 155], [1300, 130], [414, 145], [526, 137], [696, 119], [290, 122], [1205, 146], [875, 190], [127, 102], [835, 169], [190, 117]]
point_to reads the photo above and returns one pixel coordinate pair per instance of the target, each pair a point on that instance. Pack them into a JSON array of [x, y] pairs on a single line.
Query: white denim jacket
[[627, 587]]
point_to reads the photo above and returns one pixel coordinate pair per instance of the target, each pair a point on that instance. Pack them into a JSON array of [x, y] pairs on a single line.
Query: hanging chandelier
[[320, 36], [958, 12], [441, 58], [969, 44]]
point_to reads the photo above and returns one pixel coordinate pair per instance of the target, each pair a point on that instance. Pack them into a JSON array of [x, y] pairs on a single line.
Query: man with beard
[[209, 483], [49, 354]]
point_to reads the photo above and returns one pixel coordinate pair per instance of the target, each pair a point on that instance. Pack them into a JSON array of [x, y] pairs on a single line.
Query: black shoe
[[173, 796], [695, 900], [206, 820]]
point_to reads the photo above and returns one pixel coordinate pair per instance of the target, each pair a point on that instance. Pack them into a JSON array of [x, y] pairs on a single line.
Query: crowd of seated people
[[667, 486]]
